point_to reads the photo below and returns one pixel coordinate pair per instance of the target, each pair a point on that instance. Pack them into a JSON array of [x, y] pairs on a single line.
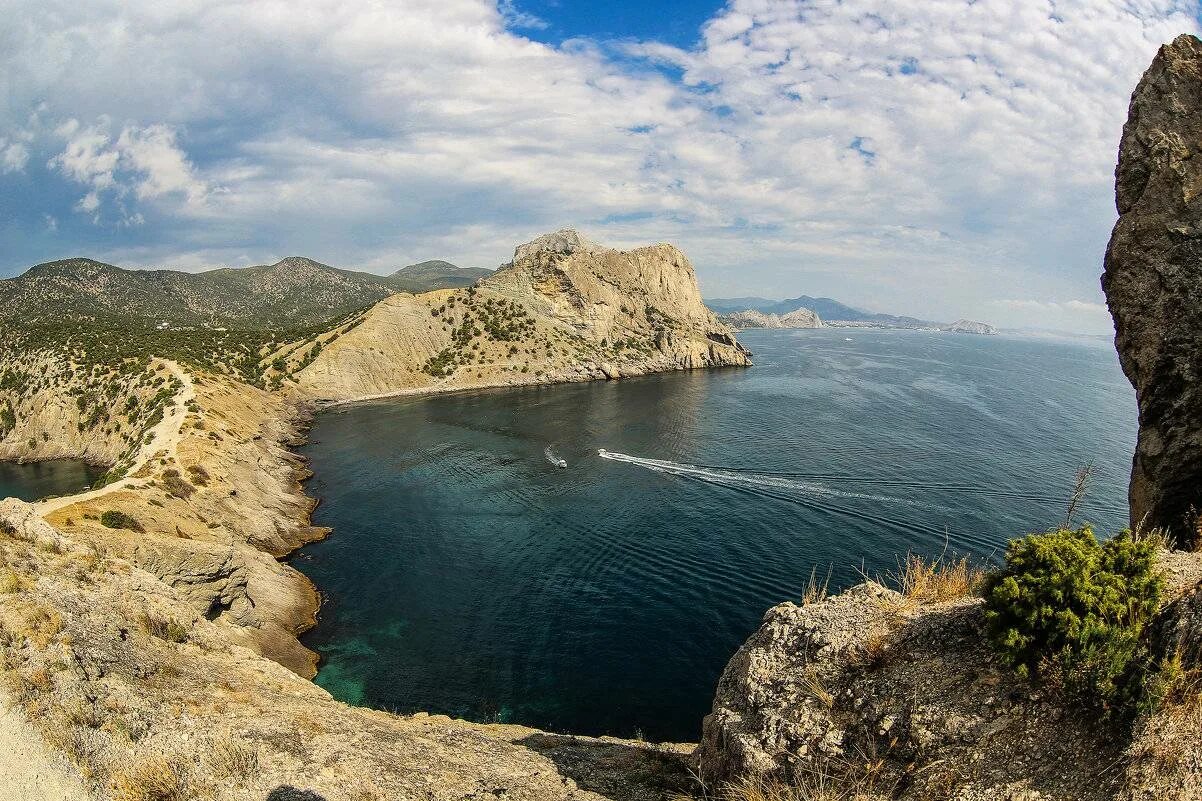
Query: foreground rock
[[1153, 284], [873, 695]]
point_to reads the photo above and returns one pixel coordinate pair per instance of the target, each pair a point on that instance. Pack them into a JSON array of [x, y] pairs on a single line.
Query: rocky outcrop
[[1153, 285], [750, 318], [970, 327], [565, 309], [872, 693]]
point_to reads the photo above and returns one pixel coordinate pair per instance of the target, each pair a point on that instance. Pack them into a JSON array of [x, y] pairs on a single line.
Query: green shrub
[[1073, 612], [114, 519]]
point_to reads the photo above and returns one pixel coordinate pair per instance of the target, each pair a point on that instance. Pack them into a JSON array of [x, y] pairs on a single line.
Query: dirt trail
[[166, 436], [29, 769]]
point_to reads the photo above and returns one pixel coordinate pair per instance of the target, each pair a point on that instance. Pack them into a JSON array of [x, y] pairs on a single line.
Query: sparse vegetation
[[114, 518], [937, 580], [152, 778]]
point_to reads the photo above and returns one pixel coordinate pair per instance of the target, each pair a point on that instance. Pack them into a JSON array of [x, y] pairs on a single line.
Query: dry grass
[[874, 650], [813, 687], [40, 626], [923, 581], [10, 582], [816, 591], [152, 778], [813, 786], [234, 759]]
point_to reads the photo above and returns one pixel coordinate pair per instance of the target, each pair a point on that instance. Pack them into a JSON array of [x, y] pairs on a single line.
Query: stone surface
[[1153, 285]]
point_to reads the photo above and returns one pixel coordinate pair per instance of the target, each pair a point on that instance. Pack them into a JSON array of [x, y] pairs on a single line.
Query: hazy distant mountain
[[970, 327], [750, 318], [828, 309], [436, 274], [292, 293]]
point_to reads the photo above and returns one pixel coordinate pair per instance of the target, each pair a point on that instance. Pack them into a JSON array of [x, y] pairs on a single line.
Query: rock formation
[[565, 309], [1153, 284], [750, 318]]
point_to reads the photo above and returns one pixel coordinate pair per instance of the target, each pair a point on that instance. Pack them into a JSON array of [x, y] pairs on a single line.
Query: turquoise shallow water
[[39, 479], [469, 575]]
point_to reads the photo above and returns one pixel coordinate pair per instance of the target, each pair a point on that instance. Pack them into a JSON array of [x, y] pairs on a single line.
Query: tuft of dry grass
[[924, 581], [10, 582], [873, 651], [234, 759], [152, 778], [815, 591], [813, 687], [40, 626], [815, 785]]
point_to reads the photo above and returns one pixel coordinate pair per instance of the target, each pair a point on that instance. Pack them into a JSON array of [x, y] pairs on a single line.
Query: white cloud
[[914, 157], [144, 160], [13, 156]]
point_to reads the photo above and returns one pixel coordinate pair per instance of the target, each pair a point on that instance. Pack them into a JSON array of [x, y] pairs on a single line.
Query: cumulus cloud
[[913, 157], [144, 161]]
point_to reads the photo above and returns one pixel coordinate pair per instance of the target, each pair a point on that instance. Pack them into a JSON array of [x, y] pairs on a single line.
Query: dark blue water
[[468, 575], [35, 480]]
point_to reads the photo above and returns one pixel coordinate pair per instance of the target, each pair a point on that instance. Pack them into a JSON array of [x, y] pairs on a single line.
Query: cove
[[31, 481], [469, 575]]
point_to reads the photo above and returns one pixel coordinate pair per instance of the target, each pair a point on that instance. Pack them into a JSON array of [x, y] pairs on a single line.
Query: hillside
[[292, 293], [428, 276], [830, 310]]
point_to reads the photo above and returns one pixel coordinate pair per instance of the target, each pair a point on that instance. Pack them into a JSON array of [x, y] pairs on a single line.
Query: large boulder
[[1153, 284]]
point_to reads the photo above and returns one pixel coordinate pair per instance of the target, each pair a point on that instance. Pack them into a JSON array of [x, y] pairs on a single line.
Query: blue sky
[[675, 22], [943, 158]]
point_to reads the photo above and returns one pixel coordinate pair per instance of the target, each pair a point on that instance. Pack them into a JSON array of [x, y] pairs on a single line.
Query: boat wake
[[553, 458], [755, 482]]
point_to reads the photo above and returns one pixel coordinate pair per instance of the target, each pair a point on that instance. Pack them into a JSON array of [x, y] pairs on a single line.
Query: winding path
[[166, 435]]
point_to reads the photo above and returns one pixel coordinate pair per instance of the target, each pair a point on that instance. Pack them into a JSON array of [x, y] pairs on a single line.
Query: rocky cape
[[970, 327], [565, 309]]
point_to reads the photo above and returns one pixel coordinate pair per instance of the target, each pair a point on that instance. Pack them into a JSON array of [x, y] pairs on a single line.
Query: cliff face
[[1153, 284], [564, 309]]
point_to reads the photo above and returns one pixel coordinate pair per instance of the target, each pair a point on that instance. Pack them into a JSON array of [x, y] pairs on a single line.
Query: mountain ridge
[[829, 309]]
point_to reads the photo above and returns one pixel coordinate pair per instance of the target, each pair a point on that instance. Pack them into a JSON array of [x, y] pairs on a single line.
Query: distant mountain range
[[293, 293], [828, 309]]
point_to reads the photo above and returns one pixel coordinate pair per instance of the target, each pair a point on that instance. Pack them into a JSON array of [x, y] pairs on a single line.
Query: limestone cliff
[[1153, 284], [564, 309]]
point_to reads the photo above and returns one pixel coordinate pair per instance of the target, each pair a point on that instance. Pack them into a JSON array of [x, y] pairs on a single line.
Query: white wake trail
[[751, 481]]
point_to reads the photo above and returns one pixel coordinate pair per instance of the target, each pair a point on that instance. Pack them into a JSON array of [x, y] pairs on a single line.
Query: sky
[[943, 159]]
